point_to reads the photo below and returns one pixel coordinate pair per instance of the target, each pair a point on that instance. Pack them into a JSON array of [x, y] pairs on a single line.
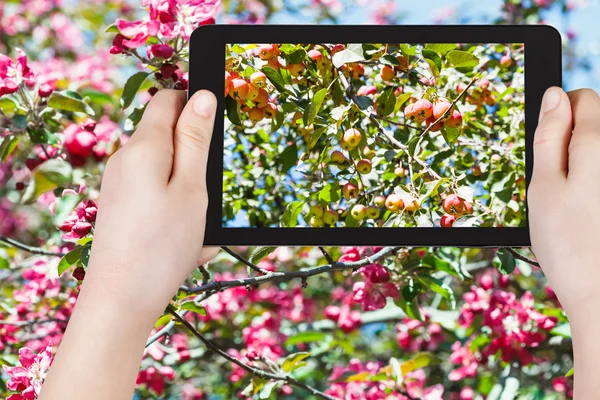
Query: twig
[[327, 255], [520, 256], [243, 260], [289, 275], [30, 249], [253, 370], [205, 274]]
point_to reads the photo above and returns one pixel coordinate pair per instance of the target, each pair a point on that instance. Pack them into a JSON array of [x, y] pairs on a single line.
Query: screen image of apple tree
[[374, 135]]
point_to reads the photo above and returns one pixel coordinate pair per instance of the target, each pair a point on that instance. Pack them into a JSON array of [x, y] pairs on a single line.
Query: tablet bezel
[[543, 69]]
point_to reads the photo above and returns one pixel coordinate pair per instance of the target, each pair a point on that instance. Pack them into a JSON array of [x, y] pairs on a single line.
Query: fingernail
[[205, 104], [551, 100]]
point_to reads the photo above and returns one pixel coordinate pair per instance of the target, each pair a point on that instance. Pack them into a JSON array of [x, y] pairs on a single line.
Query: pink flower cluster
[[155, 378], [80, 222], [13, 73], [27, 379], [89, 139], [372, 293], [86, 71], [169, 19], [515, 325], [344, 316], [413, 384], [415, 336]]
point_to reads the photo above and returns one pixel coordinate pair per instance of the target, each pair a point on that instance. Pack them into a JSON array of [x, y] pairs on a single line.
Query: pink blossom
[[155, 378], [28, 377], [373, 296]]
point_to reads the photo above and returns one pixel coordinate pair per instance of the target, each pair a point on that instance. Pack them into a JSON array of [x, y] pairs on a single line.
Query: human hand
[[152, 208], [564, 196]]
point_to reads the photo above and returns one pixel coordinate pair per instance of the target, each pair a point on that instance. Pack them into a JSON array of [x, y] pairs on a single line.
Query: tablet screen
[[374, 135]]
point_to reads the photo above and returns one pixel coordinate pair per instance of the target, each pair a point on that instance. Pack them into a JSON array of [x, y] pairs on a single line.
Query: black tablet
[[372, 135]]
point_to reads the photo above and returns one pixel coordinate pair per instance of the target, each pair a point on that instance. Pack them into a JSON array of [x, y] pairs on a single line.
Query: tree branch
[[289, 275], [520, 256], [29, 249], [253, 370], [327, 255], [243, 260]]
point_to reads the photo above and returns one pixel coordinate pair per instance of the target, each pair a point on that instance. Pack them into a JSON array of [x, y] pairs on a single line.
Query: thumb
[[552, 137], [191, 142]]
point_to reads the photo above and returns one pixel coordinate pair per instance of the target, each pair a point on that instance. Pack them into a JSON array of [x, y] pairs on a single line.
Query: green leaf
[[97, 97], [288, 157], [431, 188], [507, 261], [4, 263], [390, 60], [289, 219], [85, 254], [8, 145], [260, 252], [410, 308], [450, 134], [275, 78], [570, 373], [236, 48], [294, 361], [386, 102], [41, 135], [348, 56], [60, 101], [314, 138], [401, 100], [329, 193], [408, 50], [134, 118], [296, 56], [315, 106], [267, 389], [193, 307], [434, 61], [441, 48], [438, 286], [68, 260], [305, 337], [112, 28], [131, 88], [8, 106], [363, 102], [233, 110], [47, 176], [563, 330], [462, 59]]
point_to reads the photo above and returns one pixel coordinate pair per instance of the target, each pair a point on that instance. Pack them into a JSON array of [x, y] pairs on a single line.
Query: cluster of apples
[[454, 206], [251, 92], [423, 110], [349, 141], [480, 94]]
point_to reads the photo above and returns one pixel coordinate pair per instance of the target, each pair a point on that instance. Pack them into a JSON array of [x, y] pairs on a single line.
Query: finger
[[193, 133], [150, 148], [552, 136], [585, 143], [160, 117]]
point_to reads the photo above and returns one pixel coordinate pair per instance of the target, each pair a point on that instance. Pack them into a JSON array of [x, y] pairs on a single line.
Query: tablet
[[372, 135]]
